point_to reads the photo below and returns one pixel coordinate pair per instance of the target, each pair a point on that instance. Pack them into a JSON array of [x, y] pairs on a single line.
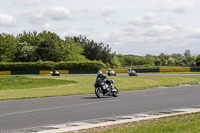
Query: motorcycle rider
[[54, 72], [131, 72], [101, 77], [109, 71], [104, 87]]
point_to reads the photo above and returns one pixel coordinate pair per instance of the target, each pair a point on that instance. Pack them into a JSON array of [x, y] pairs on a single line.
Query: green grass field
[[32, 86], [22, 82], [188, 123]]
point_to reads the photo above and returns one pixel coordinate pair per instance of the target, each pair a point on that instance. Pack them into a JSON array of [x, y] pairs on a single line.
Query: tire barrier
[[82, 71], [192, 69], [60, 71], [5, 72], [146, 70], [143, 70], [185, 69], [116, 70], [24, 72]]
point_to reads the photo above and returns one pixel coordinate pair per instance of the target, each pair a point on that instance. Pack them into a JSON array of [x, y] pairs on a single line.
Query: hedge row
[[70, 65]]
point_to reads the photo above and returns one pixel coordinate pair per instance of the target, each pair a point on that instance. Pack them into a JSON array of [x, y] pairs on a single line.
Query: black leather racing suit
[[102, 78]]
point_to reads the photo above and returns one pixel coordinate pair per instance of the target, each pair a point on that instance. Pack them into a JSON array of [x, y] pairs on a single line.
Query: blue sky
[[127, 26]]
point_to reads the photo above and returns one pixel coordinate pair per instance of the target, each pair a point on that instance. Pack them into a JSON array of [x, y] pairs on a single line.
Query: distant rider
[[109, 71], [131, 70], [54, 72]]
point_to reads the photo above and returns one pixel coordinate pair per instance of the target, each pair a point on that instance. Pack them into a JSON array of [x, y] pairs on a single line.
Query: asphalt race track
[[18, 114]]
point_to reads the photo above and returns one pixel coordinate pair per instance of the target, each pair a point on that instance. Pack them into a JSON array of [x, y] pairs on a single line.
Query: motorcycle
[[111, 73], [132, 73], [55, 73], [105, 88]]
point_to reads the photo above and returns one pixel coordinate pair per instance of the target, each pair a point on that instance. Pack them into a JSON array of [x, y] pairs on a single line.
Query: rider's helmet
[[109, 69], [130, 69], [99, 73]]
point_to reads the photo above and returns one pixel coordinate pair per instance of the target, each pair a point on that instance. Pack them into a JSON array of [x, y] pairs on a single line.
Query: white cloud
[[150, 19], [59, 13], [177, 6], [7, 20], [107, 11], [89, 33], [130, 27], [27, 2], [195, 34], [50, 27], [89, 14], [51, 14], [109, 21], [150, 34]]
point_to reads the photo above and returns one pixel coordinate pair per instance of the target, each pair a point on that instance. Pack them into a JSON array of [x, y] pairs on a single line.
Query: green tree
[[197, 59], [31, 38], [115, 62], [94, 50], [7, 47], [157, 61], [24, 52], [187, 53], [129, 60], [120, 58], [149, 60], [178, 58], [69, 50], [27, 44], [188, 60], [164, 59], [47, 47]]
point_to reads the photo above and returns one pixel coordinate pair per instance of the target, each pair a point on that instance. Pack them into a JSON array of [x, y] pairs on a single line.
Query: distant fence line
[[142, 70]]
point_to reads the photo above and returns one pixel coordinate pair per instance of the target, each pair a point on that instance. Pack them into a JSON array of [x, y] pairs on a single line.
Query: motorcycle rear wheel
[[99, 92]]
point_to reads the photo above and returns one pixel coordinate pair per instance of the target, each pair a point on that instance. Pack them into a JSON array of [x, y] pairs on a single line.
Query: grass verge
[[22, 82], [32, 86], [188, 123]]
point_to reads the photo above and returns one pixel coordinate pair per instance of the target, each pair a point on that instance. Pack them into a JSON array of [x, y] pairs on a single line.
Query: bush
[[79, 65], [70, 65]]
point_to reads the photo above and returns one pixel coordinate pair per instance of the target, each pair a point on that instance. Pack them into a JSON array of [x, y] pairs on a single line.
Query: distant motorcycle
[[105, 88], [111, 73], [55, 73], [132, 73]]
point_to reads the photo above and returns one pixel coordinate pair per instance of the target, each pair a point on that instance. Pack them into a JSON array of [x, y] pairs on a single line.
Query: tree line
[[174, 60], [48, 46]]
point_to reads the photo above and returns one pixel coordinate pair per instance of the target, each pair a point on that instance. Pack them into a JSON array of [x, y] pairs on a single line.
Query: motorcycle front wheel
[[115, 93], [99, 92]]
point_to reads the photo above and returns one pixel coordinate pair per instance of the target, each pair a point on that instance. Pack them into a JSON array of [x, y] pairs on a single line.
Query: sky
[[136, 27]]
